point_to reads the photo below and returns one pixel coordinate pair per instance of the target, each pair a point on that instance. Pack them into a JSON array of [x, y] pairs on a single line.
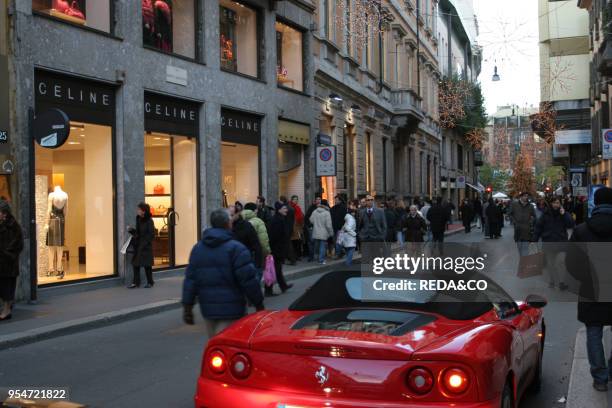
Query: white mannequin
[[57, 200]]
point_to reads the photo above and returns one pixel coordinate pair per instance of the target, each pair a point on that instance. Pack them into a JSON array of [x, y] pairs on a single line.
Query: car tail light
[[217, 362], [455, 380], [240, 366], [420, 380]]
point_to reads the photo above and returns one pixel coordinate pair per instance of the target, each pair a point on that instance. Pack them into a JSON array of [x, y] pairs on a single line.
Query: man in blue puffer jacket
[[220, 274]]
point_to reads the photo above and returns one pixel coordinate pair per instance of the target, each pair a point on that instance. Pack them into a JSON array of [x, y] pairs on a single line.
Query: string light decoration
[[452, 95], [544, 123], [561, 76], [476, 138], [501, 147], [361, 20], [522, 178]]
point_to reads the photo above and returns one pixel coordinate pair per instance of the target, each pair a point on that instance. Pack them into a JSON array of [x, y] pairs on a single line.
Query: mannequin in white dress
[[56, 210]]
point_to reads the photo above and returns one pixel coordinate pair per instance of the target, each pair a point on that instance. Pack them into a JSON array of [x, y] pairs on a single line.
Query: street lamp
[[335, 97], [495, 75]]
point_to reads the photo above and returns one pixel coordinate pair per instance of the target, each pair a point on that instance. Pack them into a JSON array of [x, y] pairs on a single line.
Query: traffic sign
[[51, 128], [325, 161], [606, 152]]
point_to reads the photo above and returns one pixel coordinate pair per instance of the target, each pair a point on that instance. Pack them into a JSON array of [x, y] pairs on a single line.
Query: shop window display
[[74, 206], [169, 26], [171, 191], [289, 57], [238, 38], [240, 172], [90, 13]]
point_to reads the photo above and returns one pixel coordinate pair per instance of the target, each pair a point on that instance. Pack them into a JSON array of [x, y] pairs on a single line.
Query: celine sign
[[240, 127], [80, 99], [170, 115]]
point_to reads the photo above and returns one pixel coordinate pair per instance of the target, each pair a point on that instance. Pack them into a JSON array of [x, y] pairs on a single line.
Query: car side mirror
[[536, 301]]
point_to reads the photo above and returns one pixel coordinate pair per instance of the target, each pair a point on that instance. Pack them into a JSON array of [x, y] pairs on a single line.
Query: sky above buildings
[[508, 33]]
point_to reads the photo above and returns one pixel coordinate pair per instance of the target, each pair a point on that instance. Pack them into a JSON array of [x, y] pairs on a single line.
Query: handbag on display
[[161, 210], [269, 275], [158, 189], [163, 232]]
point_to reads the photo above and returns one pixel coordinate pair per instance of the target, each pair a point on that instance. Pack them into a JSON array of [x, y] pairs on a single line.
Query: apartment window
[[239, 38], [460, 157], [368, 162], [384, 163], [169, 26], [421, 173], [325, 18], [93, 14], [289, 57], [366, 52], [410, 170]]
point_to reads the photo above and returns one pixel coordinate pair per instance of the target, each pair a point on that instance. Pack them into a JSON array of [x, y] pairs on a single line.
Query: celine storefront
[[171, 177], [240, 156], [73, 187]]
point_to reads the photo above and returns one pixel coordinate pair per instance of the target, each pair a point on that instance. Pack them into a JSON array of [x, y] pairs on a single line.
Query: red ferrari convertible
[[332, 348]]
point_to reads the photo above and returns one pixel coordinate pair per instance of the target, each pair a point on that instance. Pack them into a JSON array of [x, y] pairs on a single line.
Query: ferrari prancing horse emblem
[[322, 375]]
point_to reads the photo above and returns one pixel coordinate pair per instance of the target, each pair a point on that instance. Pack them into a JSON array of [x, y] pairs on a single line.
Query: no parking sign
[[606, 144], [326, 161]]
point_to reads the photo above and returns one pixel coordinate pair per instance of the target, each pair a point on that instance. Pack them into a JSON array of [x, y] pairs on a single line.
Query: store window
[[239, 38], [293, 139], [74, 207], [170, 25], [171, 187], [95, 14], [240, 166], [289, 57]]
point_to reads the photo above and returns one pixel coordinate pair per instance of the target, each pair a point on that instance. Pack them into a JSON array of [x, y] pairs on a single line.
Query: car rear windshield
[[387, 322]]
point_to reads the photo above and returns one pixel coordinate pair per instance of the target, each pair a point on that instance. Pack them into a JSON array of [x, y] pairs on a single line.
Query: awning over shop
[[292, 132], [478, 188]]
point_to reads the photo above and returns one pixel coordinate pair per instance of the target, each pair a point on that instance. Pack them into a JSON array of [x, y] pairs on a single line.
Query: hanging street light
[[495, 75]]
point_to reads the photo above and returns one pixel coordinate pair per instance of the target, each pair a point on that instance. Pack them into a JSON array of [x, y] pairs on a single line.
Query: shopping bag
[[126, 245], [340, 239], [531, 265], [269, 275]]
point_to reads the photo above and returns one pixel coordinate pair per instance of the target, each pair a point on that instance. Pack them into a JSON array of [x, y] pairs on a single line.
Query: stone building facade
[[378, 106], [600, 162], [459, 56], [157, 99]]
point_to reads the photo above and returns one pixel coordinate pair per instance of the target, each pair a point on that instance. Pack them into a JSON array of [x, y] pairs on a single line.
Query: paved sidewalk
[[60, 311], [581, 393]]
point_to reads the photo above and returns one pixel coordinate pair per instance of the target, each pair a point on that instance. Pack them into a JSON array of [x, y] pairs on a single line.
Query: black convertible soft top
[[330, 292]]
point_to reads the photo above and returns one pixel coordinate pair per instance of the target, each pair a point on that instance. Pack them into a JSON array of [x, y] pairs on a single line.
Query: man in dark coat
[[11, 245], [467, 215], [246, 235], [522, 215], [264, 212], [588, 262], [438, 216], [552, 228], [279, 244], [372, 230], [494, 219], [221, 275]]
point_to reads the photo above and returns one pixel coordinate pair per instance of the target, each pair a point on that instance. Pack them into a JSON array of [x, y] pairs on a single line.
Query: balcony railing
[[405, 100]]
